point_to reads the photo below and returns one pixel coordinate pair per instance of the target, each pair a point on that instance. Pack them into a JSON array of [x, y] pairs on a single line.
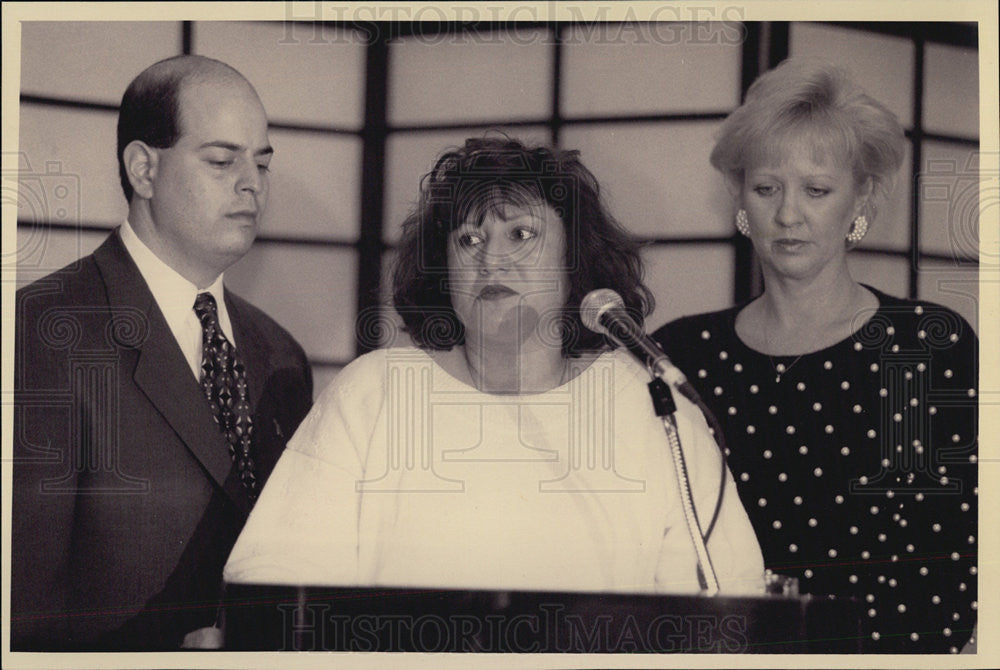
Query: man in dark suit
[[150, 403]]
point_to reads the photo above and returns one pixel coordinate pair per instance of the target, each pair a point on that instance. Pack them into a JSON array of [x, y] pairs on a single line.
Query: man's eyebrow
[[229, 146]]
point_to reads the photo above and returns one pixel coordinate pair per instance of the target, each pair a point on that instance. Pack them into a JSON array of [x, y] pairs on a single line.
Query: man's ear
[[141, 162]]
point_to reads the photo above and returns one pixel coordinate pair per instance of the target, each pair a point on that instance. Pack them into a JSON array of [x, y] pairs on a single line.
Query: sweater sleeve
[[304, 527]]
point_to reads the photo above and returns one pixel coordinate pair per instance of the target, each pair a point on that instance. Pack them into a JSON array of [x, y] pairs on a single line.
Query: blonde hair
[[812, 99]]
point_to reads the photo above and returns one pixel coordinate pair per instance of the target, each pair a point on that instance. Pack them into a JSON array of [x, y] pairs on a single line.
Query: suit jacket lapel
[[162, 373]]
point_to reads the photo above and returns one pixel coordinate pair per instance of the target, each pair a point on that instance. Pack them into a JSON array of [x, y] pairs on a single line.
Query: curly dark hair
[[485, 176]]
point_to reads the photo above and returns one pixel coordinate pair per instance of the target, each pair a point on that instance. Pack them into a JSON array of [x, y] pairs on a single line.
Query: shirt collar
[[174, 294]]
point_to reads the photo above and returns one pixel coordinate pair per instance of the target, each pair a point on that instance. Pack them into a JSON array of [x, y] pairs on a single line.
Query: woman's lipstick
[[496, 292], [790, 245]]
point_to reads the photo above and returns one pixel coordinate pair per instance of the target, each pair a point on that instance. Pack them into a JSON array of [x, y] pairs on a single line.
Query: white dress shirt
[[175, 297]]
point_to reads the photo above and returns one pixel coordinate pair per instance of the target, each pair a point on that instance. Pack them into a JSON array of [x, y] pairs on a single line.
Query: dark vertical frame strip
[[753, 56], [778, 43], [754, 53], [555, 118], [187, 37], [373, 137], [917, 138]]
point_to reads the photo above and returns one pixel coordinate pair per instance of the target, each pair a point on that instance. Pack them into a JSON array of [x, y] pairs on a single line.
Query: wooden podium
[[262, 617]]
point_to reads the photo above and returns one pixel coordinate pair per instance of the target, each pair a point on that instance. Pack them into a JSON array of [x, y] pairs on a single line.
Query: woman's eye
[[764, 189], [817, 191], [264, 168], [220, 164], [467, 240], [524, 234]]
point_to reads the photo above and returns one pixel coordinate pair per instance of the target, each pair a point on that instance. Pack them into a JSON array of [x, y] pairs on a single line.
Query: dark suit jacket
[[125, 499]]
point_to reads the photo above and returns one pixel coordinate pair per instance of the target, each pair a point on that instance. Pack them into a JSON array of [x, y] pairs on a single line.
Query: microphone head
[[595, 304]]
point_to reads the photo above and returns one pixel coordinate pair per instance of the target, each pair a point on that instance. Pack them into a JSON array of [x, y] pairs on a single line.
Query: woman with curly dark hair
[[501, 445]]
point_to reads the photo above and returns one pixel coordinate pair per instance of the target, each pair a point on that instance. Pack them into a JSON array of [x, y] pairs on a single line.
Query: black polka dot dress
[[857, 463]]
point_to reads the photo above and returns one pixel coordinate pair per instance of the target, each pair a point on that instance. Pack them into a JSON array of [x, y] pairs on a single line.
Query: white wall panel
[[949, 200], [91, 60], [688, 279], [657, 177], [886, 273], [311, 291], [315, 186], [650, 68], [41, 250], [951, 90], [303, 74], [463, 77], [880, 64], [68, 164]]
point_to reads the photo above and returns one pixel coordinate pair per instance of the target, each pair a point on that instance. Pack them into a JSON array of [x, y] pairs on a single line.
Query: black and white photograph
[[555, 334]]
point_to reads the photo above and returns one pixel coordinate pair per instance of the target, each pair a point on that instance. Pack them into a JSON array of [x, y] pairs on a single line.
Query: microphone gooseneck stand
[[663, 404], [603, 311]]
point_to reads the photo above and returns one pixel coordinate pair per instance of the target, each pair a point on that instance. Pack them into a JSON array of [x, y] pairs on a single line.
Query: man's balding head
[[194, 155], [150, 110]]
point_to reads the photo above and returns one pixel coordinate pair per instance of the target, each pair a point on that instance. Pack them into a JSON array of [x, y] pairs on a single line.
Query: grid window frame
[[764, 45]]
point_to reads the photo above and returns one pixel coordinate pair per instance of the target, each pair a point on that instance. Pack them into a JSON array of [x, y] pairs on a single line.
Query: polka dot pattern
[[841, 462]]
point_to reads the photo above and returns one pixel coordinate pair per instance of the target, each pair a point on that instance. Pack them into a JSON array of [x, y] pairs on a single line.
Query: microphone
[[603, 311]]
